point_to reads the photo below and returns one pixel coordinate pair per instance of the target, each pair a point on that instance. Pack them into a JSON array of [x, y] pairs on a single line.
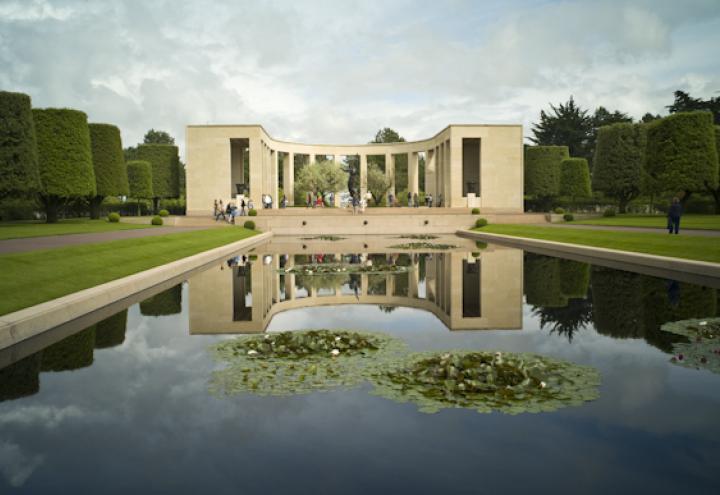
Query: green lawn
[[14, 230], [704, 222], [37, 276], [679, 246]]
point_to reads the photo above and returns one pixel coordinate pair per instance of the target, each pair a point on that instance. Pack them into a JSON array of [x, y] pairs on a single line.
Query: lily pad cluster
[[423, 245], [487, 381], [702, 350], [323, 238], [419, 236], [291, 363], [330, 268]]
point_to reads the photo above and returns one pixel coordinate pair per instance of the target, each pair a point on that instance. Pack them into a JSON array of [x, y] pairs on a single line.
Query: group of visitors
[[314, 200], [229, 212], [413, 200]]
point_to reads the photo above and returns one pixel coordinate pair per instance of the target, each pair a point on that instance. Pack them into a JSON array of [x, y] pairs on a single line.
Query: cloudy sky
[[336, 71]]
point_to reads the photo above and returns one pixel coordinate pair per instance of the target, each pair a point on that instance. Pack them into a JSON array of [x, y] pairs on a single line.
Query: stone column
[[274, 178], [414, 280], [390, 172], [363, 284], [430, 168], [289, 280], [447, 167], [289, 177], [413, 172], [256, 170], [363, 176], [338, 161]]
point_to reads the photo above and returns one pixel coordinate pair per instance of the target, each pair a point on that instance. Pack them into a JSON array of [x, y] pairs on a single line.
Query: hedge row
[[542, 169], [575, 178], [140, 179], [164, 161], [108, 160], [19, 174]]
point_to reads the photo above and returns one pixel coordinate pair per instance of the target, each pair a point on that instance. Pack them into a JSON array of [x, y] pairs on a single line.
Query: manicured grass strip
[[38, 276], [703, 222], [16, 230], [678, 246]]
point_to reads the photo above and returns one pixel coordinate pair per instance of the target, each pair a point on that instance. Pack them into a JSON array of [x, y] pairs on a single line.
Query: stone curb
[[29, 322], [702, 268]]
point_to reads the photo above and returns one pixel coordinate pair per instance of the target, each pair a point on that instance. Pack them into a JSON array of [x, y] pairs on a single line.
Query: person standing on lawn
[[674, 214]]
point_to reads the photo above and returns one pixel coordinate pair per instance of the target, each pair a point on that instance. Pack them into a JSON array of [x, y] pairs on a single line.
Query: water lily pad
[[702, 350], [510, 383], [419, 236], [300, 362], [323, 238]]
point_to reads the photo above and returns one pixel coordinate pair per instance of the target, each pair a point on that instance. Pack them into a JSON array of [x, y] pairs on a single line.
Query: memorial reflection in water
[[465, 289]]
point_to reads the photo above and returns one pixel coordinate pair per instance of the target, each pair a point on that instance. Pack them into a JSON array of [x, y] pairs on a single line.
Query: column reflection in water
[[464, 290]]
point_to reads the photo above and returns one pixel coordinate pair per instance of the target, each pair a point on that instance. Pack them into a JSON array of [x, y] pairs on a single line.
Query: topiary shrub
[[19, 174], [542, 170], [156, 220], [475, 211], [140, 181], [575, 178], [480, 222], [618, 166], [66, 170], [163, 213], [165, 169], [114, 217], [249, 224], [252, 213], [609, 212], [559, 210], [568, 217], [168, 302], [108, 165]]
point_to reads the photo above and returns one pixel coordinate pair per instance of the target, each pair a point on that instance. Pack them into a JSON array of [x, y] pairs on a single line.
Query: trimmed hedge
[[21, 378], [108, 160], [111, 331], [163, 213], [480, 223], [542, 281], [618, 167], [140, 179], [542, 169], [164, 161], [681, 152], [252, 213], [113, 217], [249, 224], [19, 174], [156, 220], [575, 178], [63, 142], [168, 302], [475, 211], [574, 278]]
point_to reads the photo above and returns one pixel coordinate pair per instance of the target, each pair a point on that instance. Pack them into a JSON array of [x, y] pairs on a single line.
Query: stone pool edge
[[28, 322], [702, 268]]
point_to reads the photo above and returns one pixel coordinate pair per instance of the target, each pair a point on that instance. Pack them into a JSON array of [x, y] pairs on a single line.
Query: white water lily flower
[[337, 339], [252, 352], [543, 384], [702, 323], [335, 352]]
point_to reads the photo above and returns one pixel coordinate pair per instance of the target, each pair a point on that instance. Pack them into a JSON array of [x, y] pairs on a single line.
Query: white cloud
[[16, 465], [337, 71]]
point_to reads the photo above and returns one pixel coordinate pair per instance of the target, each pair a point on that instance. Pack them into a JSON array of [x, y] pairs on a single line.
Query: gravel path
[[55, 241]]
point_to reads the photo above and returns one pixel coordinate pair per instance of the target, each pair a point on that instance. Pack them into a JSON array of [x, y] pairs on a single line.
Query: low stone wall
[[30, 322]]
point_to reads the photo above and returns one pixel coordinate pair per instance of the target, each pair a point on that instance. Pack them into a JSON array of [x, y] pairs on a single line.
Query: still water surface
[[124, 407]]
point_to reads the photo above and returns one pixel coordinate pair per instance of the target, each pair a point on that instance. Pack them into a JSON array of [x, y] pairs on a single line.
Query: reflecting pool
[[126, 405]]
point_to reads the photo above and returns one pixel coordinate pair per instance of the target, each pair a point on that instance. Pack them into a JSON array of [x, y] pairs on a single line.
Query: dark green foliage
[[165, 168], [480, 222], [559, 210], [567, 320], [475, 211], [63, 141], [20, 379], [568, 217], [574, 278], [108, 162], [156, 220], [72, 353], [140, 179], [19, 175], [252, 213], [565, 125], [715, 191], [617, 302], [542, 281], [686, 103], [574, 178], [249, 224], [618, 170], [681, 153], [168, 302], [542, 170], [113, 217], [158, 137], [601, 118], [111, 331], [163, 213]]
